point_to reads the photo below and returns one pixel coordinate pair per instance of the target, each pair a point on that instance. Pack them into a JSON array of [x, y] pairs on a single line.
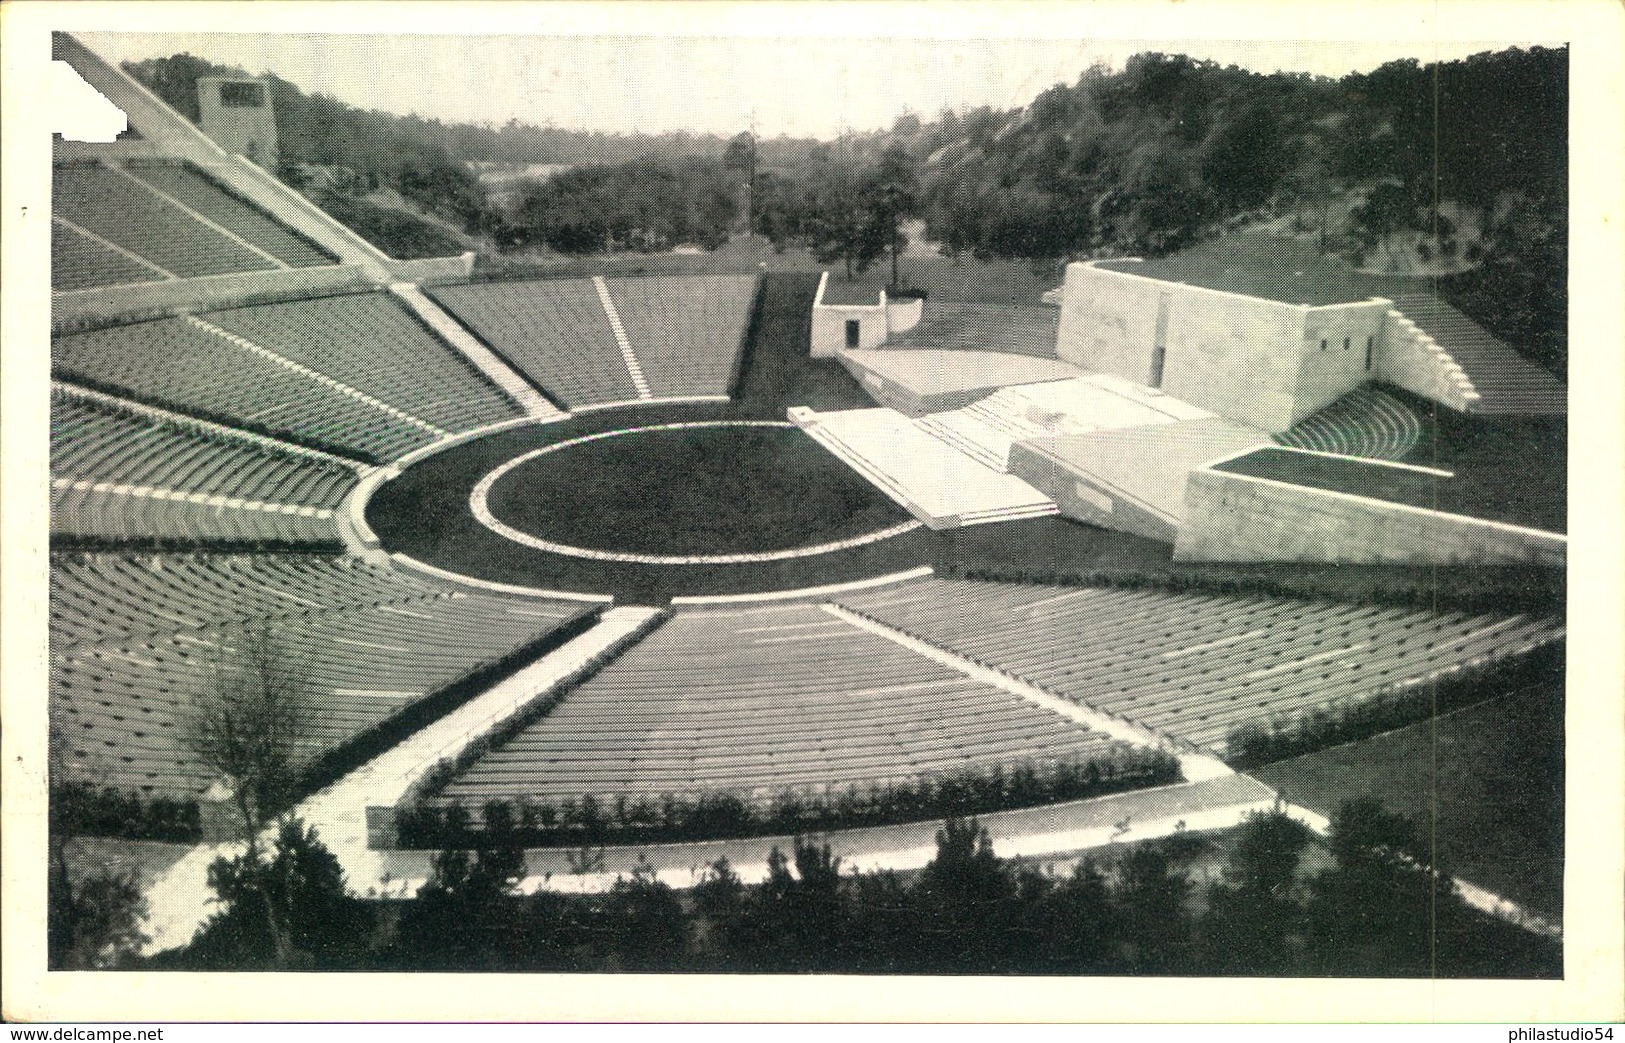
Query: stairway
[[621, 340], [484, 359], [1500, 380]]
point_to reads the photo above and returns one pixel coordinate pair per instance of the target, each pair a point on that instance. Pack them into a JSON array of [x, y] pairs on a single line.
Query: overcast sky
[[799, 86]]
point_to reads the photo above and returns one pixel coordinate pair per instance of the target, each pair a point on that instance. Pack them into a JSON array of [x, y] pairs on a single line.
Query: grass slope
[[1485, 781]]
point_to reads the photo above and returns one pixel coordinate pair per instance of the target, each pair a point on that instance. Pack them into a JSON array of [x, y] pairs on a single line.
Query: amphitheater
[[454, 504]]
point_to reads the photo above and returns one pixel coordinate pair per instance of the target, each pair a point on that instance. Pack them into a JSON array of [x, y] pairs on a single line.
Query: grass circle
[[707, 490]]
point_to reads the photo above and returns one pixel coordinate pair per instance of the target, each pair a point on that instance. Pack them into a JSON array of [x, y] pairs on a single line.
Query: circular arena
[[592, 557]]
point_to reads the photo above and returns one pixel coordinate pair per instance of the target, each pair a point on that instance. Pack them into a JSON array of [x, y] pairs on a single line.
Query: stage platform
[[938, 484], [917, 381]]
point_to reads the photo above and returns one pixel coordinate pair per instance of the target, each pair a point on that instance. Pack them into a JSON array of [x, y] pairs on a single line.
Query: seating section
[[1193, 666], [123, 475], [122, 211], [176, 363], [1023, 329], [758, 701], [554, 331], [370, 342], [686, 331], [136, 640], [1365, 422], [201, 195], [79, 262]]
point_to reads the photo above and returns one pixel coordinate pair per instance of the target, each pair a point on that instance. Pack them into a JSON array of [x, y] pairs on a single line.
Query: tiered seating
[[686, 331], [79, 262], [121, 211], [370, 342], [135, 640], [1192, 666], [175, 363], [1020, 328], [757, 701], [1365, 422], [123, 475], [203, 196], [554, 331]]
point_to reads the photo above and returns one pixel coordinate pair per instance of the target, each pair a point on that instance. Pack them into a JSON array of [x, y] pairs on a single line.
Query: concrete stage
[[917, 381]]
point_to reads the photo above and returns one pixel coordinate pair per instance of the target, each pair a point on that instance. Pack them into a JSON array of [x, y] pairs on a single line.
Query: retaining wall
[[136, 302], [1087, 498], [1234, 518], [1240, 357]]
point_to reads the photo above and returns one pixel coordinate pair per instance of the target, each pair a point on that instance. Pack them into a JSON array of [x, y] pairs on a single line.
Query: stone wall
[[1334, 345], [1240, 357], [1409, 358], [137, 302], [1087, 498], [1234, 518]]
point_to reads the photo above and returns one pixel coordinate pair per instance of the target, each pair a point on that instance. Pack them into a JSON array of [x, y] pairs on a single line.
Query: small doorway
[[1159, 341], [852, 327]]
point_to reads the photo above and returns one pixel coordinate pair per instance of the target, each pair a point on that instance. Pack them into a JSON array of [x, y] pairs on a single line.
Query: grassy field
[[1275, 267], [963, 280], [1485, 782], [1509, 468], [424, 513], [709, 490]]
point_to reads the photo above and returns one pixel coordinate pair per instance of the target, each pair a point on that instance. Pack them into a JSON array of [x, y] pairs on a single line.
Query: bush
[[82, 809], [400, 235]]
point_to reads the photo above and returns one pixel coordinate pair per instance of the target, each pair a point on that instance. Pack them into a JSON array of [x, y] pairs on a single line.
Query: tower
[[236, 112]]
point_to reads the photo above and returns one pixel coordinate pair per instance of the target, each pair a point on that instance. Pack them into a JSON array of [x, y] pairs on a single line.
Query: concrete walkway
[[1056, 829], [180, 898]]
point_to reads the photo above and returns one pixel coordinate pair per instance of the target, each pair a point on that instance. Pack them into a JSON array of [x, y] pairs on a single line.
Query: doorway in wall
[[1159, 344], [852, 327]]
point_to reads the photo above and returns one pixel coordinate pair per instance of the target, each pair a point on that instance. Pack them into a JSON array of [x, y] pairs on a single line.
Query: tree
[[840, 219], [94, 921], [1150, 905], [1381, 907], [894, 190], [648, 924], [1255, 917], [288, 911], [964, 901], [249, 723], [464, 917]]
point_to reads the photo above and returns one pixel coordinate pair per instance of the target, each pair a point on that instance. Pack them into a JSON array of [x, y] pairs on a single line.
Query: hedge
[[1255, 744], [596, 819]]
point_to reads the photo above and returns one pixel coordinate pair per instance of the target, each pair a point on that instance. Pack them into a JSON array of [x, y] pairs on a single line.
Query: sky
[[804, 85]]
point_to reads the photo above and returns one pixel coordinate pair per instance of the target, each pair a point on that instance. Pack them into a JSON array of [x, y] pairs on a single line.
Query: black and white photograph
[[612, 499]]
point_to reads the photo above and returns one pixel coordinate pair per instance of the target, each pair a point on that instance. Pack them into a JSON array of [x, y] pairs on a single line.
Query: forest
[[1272, 900], [1452, 169]]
